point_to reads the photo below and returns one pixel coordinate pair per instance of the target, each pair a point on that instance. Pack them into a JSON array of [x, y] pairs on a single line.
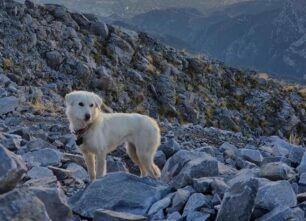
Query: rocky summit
[[233, 141]]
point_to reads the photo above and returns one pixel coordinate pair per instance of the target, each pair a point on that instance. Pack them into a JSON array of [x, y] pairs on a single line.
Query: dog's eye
[[81, 104], [91, 105]]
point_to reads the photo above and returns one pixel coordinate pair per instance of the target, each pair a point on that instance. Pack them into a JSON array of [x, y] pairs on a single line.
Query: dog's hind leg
[[147, 161], [131, 150], [156, 169]]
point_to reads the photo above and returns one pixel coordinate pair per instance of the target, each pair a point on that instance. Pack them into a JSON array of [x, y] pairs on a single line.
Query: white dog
[[100, 133]]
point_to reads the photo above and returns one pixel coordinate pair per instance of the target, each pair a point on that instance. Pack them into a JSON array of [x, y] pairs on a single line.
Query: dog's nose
[[87, 117]]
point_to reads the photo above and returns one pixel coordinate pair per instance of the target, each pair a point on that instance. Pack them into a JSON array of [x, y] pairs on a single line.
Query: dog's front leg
[[101, 163], [90, 163]]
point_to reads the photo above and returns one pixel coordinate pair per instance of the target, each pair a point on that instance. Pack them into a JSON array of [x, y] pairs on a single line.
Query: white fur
[[140, 133]]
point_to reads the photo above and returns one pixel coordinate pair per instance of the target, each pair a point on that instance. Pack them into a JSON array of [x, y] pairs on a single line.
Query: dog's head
[[82, 107]]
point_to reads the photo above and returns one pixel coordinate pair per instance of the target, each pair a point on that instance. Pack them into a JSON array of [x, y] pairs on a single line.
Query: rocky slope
[[217, 154], [268, 36]]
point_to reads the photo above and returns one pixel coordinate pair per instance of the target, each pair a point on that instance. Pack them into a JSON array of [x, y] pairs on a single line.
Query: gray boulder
[[83, 70], [195, 202], [175, 164], [228, 150], [119, 49], [196, 168], [218, 186], [202, 185], [8, 104], [302, 180], [174, 216], [60, 173], [23, 132], [10, 141], [280, 147], [160, 215], [38, 144], [197, 216], [11, 169], [179, 200], [273, 194], [110, 215], [39, 172], [302, 167], [100, 29], [20, 205], [296, 154], [115, 165], [238, 203], [251, 155], [301, 197], [166, 93], [43, 157], [50, 181], [277, 159], [182, 167], [54, 59], [170, 147], [78, 159], [77, 171], [159, 205], [55, 202], [276, 171], [160, 159], [210, 184], [244, 175], [283, 213], [105, 81], [120, 192], [80, 19]]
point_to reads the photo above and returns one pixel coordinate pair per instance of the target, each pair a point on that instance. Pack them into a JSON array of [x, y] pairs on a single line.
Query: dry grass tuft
[[294, 139], [263, 76], [38, 105], [302, 92], [7, 64], [151, 69]]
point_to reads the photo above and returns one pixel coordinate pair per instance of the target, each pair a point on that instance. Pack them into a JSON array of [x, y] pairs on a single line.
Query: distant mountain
[[130, 8], [266, 35]]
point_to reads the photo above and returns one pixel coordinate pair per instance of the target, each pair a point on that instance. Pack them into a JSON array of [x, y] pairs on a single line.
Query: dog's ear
[[98, 100], [70, 98]]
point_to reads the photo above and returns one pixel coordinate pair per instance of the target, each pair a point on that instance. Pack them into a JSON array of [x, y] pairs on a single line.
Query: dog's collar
[[79, 134]]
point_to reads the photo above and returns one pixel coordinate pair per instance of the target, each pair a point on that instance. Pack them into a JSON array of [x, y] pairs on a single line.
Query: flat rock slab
[[283, 213], [120, 192], [43, 157], [276, 171], [8, 104], [184, 166], [11, 169], [274, 194], [39, 172], [109, 215], [22, 205], [55, 202], [238, 203], [251, 155]]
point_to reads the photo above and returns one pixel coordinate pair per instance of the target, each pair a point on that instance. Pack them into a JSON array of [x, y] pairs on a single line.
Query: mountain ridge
[[252, 34]]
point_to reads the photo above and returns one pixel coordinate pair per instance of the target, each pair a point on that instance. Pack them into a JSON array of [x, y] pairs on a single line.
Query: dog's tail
[[156, 170]]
